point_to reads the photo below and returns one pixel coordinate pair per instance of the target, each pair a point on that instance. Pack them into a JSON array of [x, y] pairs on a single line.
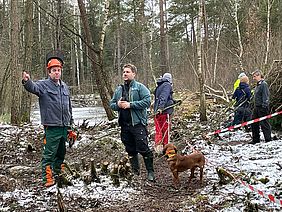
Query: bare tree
[[163, 44], [216, 53], [104, 74], [269, 5], [93, 57], [15, 69], [119, 41], [202, 109], [28, 35], [241, 50]]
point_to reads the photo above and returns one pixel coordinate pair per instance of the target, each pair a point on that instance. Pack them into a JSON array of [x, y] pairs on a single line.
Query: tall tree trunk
[[119, 43], [241, 50], [58, 25], [142, 23], [26, 96], [80, 64], [98, 77], [166, 39], [205, 52], [15, 69], [269, 5], [151, 38], [163, 54], [216, 53], [202, 110], [105, 74]]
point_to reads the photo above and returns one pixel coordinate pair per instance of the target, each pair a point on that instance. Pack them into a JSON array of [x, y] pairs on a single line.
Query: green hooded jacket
[[140, 100]]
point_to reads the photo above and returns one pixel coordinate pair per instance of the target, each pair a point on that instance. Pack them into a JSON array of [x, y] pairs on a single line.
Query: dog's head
[[169, 150]]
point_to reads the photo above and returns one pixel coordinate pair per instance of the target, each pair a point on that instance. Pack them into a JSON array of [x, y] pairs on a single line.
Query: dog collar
[[170, 153]]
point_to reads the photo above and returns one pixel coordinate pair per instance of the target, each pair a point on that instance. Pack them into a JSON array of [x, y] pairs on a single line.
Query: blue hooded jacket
[[163, 96], [242, 95]]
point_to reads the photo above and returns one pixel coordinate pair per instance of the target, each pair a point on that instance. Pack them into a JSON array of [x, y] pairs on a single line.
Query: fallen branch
[[225, 177]]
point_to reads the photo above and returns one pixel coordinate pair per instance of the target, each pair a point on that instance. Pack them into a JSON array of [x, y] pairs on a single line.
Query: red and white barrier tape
[[244, 123], [270, 197]]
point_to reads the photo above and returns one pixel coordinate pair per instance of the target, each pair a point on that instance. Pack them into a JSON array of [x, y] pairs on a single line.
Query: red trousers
[[162, 127]]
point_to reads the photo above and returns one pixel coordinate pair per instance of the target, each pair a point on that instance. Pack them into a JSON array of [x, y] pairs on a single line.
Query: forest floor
[[260, 165]]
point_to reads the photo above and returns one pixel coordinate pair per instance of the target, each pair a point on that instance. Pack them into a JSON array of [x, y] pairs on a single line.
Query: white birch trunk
[[241, 50]]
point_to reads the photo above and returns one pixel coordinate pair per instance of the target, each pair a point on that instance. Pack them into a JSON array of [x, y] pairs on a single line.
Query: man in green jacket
[[131, 100], [56, 117]]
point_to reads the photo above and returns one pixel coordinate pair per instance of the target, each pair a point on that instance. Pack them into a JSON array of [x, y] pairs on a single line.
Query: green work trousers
[[54, 150]]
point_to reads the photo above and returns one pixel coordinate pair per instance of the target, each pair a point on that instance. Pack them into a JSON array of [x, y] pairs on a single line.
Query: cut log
[[115, 175], [94, 176], [104, 167]]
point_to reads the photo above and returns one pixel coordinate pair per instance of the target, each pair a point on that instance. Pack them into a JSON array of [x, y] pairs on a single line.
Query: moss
[[5, 118]]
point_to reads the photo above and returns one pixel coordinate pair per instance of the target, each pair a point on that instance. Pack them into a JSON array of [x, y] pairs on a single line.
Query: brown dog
[[179, 163]]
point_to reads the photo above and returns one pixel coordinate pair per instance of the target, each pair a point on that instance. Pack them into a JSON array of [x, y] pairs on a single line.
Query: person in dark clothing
[[56, 117], [242, 96], [131, 100], [163, 99], [261, 108]]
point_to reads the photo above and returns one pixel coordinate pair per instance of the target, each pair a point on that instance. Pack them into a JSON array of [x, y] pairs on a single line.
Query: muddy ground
[[21, 188]]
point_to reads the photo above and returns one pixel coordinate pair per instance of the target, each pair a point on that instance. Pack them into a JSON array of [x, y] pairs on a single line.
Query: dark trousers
[[135, 140], [242, 114], [265, 126]]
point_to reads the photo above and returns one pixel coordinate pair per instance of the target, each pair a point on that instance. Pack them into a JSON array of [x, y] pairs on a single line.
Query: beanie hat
[[168, 77], [241, 75], [54, 62]]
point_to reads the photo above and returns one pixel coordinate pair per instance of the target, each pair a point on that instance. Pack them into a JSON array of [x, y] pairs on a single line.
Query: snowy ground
[[231, 152]]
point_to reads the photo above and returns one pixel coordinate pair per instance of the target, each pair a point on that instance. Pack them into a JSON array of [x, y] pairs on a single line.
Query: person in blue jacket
[[56, 117], [261, 108], [242, 96], [131, 100], [163, 99]]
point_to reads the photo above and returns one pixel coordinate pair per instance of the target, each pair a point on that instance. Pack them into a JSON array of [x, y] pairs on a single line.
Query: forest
[[204, 44]]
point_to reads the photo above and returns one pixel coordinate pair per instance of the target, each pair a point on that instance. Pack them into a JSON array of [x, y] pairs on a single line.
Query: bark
[[105, 74], [26, 96], [205, 43], [202, 109], [145, 57], [269, 5], [3, 91], [119, 43], [58, 25], [151, 39], [241, 50], [98, 77], [94, 175], [115, 175], [216, 53], [163, 54], [15, 69]]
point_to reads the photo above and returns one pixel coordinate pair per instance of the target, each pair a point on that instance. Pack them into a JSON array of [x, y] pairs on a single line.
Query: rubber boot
[[134, 161], [148, 160]]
